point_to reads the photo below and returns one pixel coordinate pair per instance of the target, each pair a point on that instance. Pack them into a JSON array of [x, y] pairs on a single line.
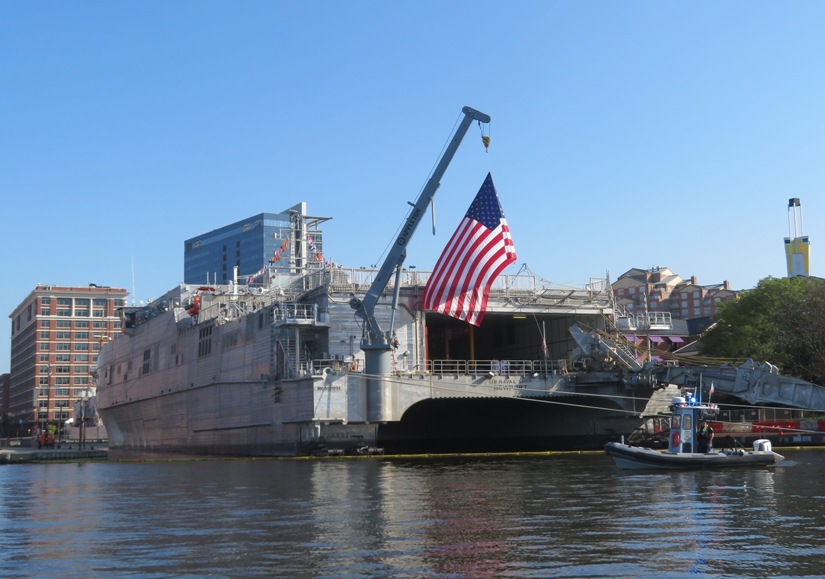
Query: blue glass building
[[282, 242]]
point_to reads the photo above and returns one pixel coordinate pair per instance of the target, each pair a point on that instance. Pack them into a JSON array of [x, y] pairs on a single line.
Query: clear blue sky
[[624, 134]]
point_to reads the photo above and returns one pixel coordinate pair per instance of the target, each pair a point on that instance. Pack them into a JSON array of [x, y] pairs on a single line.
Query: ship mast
[[375, 342]]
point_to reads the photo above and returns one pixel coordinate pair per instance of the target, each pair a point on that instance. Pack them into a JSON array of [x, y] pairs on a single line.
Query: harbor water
[[557, 515]]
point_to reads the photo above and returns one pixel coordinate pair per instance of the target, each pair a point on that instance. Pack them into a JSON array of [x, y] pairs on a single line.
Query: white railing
[[504, 368]]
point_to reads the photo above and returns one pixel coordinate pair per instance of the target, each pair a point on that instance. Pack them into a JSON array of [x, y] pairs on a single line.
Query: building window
[[44, 346], [44, 335], [64, 313], [81, 335], [44, 357], [63, 380], [62, 357], [81, 324], [99, 313], [81, 357], [205, 342], [61, 392], [81, 347], [44, 323], [64, 301], [64, 324], [63, 346], [99, 302], [62, 335], [45, 312], [45, 301]]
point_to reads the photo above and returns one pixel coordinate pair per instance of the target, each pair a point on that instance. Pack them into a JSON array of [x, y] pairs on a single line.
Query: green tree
[[781, 321]]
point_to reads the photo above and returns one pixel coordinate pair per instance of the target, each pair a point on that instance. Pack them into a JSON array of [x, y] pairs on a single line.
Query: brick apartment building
[[658, 289], [56, 333], [662, 312]]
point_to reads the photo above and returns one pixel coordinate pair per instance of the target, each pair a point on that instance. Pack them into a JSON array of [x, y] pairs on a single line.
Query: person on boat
[[704, 438]]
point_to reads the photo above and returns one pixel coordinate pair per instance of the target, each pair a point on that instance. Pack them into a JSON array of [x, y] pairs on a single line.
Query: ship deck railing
[[294, 313], [358, 280], [475, 368]]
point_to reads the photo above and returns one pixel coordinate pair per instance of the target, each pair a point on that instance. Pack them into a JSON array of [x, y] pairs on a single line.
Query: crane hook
[[484, 138]]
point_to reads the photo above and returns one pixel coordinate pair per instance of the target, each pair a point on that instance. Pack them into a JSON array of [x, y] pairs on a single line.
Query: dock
[[24, 455]]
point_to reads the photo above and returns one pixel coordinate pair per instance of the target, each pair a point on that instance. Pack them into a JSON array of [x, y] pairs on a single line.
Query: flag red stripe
[[473, 259]]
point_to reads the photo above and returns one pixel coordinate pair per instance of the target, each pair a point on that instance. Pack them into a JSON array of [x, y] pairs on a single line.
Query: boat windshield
[[675, 421]]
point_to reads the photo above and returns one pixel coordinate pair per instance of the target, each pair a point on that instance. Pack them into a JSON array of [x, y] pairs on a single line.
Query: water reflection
[[556, 516]]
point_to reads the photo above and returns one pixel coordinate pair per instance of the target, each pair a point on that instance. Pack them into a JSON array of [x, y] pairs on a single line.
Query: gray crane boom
[[374, 337]]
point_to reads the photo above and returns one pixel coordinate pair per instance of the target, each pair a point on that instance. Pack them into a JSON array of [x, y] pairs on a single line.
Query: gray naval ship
[[315, 358]]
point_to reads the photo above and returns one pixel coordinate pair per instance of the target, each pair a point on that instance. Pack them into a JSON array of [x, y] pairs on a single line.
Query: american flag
[[476, 254]]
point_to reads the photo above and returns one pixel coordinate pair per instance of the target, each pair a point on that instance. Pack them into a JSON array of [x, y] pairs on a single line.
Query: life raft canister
[[675, 439]]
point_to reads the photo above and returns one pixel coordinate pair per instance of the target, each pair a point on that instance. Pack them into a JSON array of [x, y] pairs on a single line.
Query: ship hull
[[437, 426], [224, 419], [505, 425], [244, 419]]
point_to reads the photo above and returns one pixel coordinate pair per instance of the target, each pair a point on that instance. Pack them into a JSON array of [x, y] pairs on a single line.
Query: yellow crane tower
[[797, 246]]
